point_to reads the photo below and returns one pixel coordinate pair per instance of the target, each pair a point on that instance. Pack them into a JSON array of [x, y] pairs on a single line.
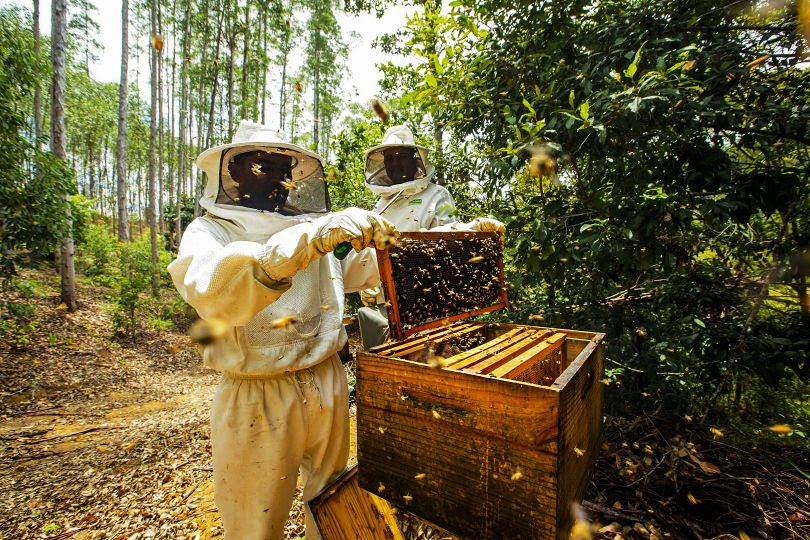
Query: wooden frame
[[387, 279]]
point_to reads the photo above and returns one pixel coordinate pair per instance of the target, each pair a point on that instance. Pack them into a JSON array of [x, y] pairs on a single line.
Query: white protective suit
[[417, 205], [282, 404]]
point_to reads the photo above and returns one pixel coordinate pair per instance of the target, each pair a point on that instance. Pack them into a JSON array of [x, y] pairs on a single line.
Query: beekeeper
[[400, 172], [258, 266]]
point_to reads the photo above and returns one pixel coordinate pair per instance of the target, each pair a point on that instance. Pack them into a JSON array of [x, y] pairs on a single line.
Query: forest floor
[[108, 438]]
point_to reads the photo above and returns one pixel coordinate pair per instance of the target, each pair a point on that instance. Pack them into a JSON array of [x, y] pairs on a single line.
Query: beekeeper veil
[[398, 164], [260, 171]]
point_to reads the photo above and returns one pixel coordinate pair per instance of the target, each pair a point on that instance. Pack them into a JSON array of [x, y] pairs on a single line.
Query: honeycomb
[[436, 278]]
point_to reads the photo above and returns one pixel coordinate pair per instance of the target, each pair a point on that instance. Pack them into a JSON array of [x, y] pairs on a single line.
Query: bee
[[379, 109], [284, 322], [476, 259], [207, 332], [420, 476], [517, 475], [289, 185]]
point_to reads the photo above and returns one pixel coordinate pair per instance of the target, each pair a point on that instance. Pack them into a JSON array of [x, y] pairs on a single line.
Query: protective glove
[[359, 227], [370, 297], [485, 224], [294, 248]]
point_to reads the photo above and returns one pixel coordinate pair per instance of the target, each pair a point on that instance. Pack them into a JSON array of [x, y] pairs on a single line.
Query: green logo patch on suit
[[415, 201]]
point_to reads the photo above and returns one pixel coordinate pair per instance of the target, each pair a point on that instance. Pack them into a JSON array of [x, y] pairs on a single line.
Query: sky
[[360, 84]]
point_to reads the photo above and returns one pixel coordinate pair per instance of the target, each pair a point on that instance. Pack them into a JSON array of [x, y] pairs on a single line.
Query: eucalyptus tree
[[121, 141], [324, 65], [37, 89], [154, 52], [59, 12]]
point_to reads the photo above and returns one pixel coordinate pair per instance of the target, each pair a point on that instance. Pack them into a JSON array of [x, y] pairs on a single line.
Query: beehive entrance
[[432, 278]]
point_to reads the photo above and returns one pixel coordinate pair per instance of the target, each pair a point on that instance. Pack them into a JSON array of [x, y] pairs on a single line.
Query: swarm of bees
[[436, 279]]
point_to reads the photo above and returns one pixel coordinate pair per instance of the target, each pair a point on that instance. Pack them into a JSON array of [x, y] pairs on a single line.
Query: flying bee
[[476, 259], [289, 185], [207, 332], [284, 322]]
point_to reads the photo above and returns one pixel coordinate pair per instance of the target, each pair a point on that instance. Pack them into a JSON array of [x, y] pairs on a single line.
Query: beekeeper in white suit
[[400, 172], [258, 264]]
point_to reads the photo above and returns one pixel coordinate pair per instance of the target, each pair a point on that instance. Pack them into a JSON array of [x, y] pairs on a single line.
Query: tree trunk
[[181, 148], [121, 144], [231, 48], [37, 91], [210, 132], [152, 213], [282, 108], [263, 92], [91, 171], [317, 93], [67, 272], [244, 62]]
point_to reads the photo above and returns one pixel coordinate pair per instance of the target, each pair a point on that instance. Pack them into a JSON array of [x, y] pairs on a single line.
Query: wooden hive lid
[[435, 278]]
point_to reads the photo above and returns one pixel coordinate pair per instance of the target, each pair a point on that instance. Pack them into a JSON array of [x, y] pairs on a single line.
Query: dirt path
[[104, 439]]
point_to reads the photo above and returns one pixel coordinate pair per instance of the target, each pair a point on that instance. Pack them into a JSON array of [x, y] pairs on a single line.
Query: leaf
[[529, 106], [705, 466], [700, 323], [633, 67], [584, 110], [430, 80], [571, 98]]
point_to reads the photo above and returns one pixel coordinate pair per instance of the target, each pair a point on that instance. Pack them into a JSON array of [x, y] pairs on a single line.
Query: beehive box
[[487, 430]]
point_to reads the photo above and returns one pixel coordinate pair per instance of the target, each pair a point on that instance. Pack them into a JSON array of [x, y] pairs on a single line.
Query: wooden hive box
[[487, 430]]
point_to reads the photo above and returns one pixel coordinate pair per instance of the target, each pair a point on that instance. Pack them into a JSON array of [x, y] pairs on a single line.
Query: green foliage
[[347, 185], [132, 287], [96, 255], [169, 216], [681, 182], [32, 182]]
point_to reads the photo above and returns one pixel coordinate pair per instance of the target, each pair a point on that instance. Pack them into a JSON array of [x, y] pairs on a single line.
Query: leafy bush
[[133, 285], [33, 183], [97, 254]]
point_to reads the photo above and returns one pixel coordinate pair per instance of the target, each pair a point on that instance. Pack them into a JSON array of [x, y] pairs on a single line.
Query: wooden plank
[[580, 427], [526, 341], [453, 318], [469, 435], [460, 360], [392, 350], [527, 359], [387, 282], [439, 339], [344, 511]]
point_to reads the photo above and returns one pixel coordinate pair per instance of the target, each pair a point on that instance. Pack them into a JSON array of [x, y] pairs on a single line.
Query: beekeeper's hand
[[485, 224], [370, 296], [359, 227], [294, 248]]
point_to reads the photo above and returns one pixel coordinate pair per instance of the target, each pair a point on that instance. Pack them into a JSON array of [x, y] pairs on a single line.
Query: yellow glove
[[485, 224], [359, 227], [292, 249], [371, 297]]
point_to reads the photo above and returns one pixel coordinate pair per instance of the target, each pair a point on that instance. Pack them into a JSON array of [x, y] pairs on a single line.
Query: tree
[[666, 190], [154, 51], [37, 91], [67, 271], [121, 145], [33, 220]]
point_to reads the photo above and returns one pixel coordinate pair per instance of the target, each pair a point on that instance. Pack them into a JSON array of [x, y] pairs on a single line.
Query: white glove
[[294, 248]]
